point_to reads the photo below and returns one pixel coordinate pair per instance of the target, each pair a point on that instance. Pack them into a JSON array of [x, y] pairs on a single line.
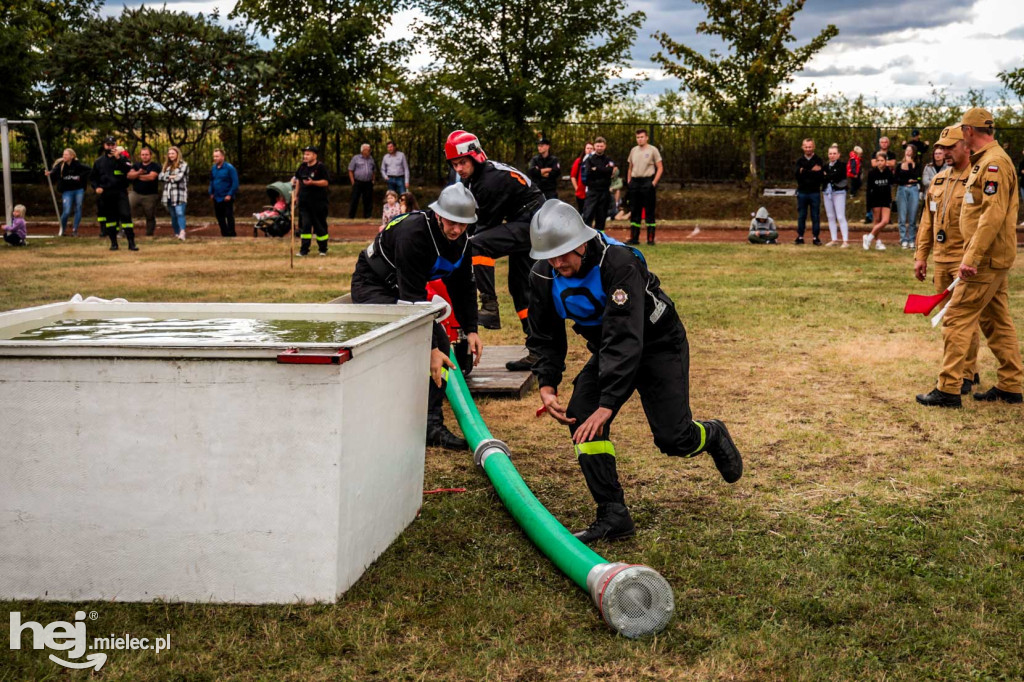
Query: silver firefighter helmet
[[557, 229], [456, 203]]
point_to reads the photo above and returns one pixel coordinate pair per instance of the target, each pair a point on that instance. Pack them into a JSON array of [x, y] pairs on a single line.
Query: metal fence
[[693, 153]]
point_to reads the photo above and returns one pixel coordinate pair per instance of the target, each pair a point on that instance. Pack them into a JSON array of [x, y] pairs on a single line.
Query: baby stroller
[[276, 220]]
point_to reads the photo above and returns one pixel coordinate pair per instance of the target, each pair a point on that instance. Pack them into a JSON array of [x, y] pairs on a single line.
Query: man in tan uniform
[[939, 232], [988, 221]]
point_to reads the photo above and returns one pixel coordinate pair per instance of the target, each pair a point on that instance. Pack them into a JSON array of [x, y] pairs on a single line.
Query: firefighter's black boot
[[438, 435], [650, 235], [721, 448], [524, 364], [130, 234], [613, 523], [634, 234], [112, 233], [489, 316]]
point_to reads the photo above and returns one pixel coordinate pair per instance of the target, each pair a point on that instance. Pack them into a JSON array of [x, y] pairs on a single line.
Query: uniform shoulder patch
[[991, 187], [938, 181], [993, 169], [620, 297]]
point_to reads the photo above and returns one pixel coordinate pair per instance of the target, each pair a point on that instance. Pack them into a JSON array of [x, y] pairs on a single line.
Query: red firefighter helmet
[[460, 143]]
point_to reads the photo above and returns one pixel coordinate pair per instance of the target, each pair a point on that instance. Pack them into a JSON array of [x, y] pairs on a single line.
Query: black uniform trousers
[[367, 288], [113, 212], [642, 202], [313, 220], [510, 239], [595, 208], [225, 212], [663, 381], [361, 189]]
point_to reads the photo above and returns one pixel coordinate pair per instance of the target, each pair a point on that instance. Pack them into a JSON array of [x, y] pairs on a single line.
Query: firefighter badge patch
[[620, 297], [991, 186]]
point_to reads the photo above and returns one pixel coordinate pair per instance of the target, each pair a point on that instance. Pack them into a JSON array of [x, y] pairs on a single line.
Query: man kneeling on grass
[[637, 343]]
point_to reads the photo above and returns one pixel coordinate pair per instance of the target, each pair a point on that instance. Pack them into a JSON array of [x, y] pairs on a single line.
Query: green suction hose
[[633, 599]]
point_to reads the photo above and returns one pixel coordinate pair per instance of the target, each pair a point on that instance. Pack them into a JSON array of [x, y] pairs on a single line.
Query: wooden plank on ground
[[490, 378]]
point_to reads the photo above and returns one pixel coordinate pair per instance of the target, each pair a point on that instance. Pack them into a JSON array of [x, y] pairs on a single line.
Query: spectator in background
[[598, 169], [642, 178], [920, 147], [880, 181], [762, 228], [395, 169], [175, 197], [933, 168], [810, 176], [312, 179], [890, 162], [361, 172], [145, 194], [835, 197], [223, 190], [908, 187], [407, 203], [72, 176], [392, 209], [545, 170], [579, 187], [853, 170], [16, 233]]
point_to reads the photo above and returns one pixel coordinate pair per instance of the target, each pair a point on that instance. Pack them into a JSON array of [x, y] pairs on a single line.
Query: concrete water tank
[[207, 470]]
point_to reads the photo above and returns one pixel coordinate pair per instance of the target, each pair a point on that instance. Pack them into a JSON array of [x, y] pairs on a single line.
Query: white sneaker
[[867, 241], [832, 243], [879, 246], [181, 235], [845, 245]]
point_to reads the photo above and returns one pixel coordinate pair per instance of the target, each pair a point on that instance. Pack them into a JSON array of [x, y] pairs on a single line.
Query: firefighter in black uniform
[[416, 248], [599, 168], [109, 178], [637, 343], [545, 170], [312, 179], [506, 200]]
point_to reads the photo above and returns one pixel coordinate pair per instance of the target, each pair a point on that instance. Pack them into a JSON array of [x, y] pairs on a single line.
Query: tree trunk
[[755, 176]]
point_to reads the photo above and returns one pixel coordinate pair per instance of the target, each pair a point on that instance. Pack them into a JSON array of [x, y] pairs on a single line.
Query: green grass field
[[869, 539]]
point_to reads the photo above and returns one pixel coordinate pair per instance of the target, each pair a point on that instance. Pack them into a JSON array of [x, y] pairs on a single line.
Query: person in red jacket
[[576, 176], [853, 168]]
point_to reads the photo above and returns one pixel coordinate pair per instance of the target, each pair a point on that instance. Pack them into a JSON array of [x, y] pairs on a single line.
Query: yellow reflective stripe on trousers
[[322, 237], [307, 236], [444, 374], [596, 447], [703, 440]]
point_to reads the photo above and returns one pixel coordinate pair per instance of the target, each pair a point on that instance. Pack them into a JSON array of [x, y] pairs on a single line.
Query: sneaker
[[832, 242], [613, 523], [866, 240], [322, 254], [879, 246], [303, 254], [772, 241], [816, 242], [993, 394], [939, 399], [844, 245], [798, 240], [181, 235]]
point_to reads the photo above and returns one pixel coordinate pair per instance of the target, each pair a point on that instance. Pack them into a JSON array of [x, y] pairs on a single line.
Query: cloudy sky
[[886, 49]]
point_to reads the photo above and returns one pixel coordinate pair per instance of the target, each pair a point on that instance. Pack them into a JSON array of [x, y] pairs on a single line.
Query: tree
[[745, 88], [503, 63], [28, 29], [334, 63], [154, 70]]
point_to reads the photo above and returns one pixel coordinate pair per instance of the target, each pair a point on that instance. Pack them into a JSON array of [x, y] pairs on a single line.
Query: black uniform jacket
[[599, 172], [409, 246], [502, 194], [110, 173], [546, 184], [626, 332]]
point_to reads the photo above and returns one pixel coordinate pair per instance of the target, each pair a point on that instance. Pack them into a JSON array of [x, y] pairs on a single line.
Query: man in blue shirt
[[223, 189]]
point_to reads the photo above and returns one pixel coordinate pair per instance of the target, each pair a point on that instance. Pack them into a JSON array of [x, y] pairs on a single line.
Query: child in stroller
[[275, 221]]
